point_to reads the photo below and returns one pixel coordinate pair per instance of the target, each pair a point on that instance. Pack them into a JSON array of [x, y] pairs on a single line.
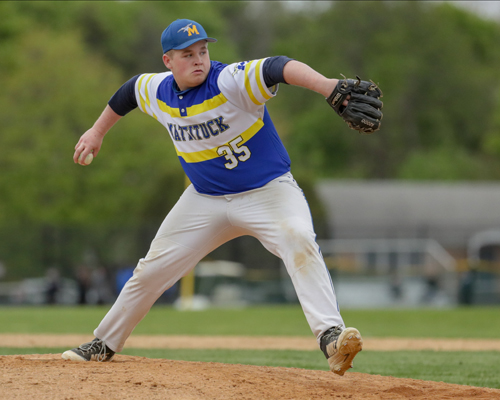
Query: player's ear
[[167, 59]]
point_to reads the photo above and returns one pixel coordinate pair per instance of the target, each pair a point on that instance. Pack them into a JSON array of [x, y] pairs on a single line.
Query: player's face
[[190, 66]]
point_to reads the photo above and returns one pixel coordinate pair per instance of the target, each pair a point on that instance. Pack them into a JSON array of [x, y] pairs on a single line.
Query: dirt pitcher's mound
[[49, 377]]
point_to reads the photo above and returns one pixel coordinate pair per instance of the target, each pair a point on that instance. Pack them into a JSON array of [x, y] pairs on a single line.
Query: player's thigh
[[195, 226], [278, 215]]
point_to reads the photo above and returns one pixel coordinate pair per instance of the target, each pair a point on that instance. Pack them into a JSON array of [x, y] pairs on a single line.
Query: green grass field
[[466, 368]]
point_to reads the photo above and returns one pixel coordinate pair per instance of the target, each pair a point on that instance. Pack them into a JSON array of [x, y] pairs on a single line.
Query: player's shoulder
[[234, 68], [240, 68], [157, 75], [164, 77], [151, 85], [243, 83], [153, 79], [216, 67]]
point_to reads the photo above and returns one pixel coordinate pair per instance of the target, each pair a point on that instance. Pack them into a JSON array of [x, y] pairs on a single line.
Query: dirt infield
[[47, 376]]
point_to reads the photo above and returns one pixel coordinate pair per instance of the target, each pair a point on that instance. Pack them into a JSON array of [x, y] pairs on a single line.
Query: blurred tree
[[435, 64], [55, 93], [451, 163], [60, 62], [61, 90]]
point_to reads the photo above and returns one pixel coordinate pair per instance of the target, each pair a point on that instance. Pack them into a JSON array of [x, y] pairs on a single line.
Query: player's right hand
[[89, 142]]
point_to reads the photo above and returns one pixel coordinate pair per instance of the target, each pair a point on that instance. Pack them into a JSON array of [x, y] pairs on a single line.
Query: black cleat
[[96, 350]]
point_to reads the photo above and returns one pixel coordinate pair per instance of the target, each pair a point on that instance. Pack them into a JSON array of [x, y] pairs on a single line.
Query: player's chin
[[198, 78]]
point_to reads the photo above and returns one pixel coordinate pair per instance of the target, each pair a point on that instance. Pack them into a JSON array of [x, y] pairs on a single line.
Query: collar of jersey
[[178, 91]]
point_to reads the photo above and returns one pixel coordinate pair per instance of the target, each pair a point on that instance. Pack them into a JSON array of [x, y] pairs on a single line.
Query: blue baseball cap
[[183, 33]]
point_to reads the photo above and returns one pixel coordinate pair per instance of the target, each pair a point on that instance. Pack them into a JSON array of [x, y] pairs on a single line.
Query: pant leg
[[195, 226], [279, 216]]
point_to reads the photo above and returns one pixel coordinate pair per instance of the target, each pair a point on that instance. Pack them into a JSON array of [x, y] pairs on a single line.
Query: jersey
[[221, 129]]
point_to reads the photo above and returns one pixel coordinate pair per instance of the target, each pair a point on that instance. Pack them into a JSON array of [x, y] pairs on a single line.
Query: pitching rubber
[[349, 344]]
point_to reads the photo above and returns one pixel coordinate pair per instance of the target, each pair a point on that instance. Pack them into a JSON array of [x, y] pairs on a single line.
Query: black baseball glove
[[363, 111]]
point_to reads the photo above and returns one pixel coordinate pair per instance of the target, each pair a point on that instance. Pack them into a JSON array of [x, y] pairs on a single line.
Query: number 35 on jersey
[[234, 153]]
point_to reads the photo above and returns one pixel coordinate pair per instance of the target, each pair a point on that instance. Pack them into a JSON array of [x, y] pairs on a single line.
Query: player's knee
[[159, 246], [147, 276], [298, 245]]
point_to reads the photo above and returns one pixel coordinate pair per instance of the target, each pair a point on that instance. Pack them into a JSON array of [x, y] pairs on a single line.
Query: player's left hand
[[363, 110]]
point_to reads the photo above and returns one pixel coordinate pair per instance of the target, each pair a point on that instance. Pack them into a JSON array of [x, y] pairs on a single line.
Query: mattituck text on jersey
[[202, 131]]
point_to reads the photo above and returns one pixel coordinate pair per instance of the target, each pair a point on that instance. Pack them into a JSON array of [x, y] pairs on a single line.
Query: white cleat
[[340, 348]]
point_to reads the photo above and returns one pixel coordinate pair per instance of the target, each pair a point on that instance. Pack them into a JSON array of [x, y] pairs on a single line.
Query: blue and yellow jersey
[[222, 132]]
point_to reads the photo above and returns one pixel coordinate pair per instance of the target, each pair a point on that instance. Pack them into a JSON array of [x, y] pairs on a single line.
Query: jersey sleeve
[[273, 70], [146, 87], [243, 84], [124, 101]]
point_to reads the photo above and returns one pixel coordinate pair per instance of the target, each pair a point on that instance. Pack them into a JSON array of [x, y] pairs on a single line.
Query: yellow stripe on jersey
[[173, 112], [143, 106], [259, 81], [147, 101], [248, 86], [207, 105], [210, 154]]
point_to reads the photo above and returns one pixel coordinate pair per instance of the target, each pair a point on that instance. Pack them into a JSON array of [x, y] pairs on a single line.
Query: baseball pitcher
[[217, 119]]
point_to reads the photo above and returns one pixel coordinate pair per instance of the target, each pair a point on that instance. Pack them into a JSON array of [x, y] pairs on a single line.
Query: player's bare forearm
[[106, 120], [299, 74], [91, 141]]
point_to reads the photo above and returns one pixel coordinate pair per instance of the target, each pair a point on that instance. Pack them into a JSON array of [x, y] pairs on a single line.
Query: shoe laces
[[331, 335], [96, 344]]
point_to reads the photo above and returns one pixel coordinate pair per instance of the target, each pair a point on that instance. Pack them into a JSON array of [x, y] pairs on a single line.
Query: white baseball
[[87, 160]]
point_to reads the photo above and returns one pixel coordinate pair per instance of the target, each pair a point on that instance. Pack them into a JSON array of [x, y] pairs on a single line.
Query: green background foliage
[[60, 62]]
